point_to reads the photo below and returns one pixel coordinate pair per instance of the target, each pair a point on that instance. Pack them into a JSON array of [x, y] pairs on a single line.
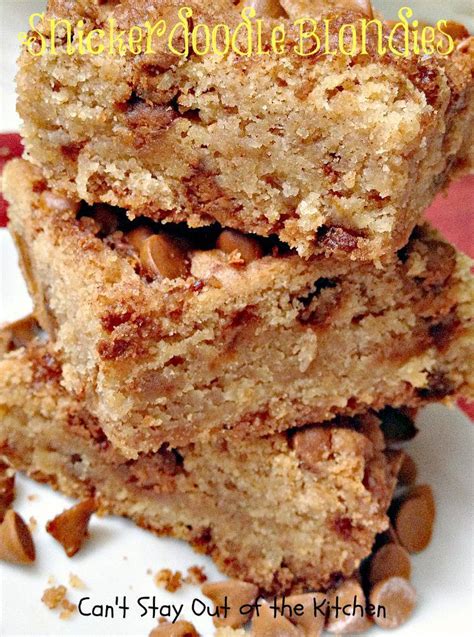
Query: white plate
[[116, 558]]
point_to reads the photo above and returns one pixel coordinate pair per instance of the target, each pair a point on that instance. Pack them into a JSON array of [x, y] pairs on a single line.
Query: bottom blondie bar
[[285, 512]]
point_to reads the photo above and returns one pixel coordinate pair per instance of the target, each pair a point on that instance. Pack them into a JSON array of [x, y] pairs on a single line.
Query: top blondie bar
[[335, 154]]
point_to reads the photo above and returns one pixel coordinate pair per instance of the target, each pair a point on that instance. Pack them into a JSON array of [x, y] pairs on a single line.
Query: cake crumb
[[51, 580], [33, 497], [196, 575], [76, 581], [32, 523], [68, 608], [53, 596], [168, 580]]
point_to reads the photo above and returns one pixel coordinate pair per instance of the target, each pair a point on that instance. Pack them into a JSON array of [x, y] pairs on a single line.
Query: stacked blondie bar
[[236, 293]]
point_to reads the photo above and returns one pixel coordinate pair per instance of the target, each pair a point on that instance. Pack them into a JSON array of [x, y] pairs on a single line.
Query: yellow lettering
[[57, 30], [153, 30], [224, 38], [342, 39], [135, 40], [366, 24], [206, 37], [445, 36], [35, 37], [244, 28], [403, 14], [305, 35], [183, 26], [278, 39]]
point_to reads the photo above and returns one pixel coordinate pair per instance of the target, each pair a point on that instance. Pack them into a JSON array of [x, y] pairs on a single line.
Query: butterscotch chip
[[59, 203], [238, 594], [248, 248], [21, 333], [464, 45], [16, 543], [414, 520], [138, 236], [398, 597], [312, 626], [312, 446], [70, 527], [408, 471], [364, 6], [266, 625], [178, 629], [456, 30], [391, 560], [162, 256], [7, 491], [349, 593], [426, 492], [263, 8], [389, 536], [106, 218], [297, 9]]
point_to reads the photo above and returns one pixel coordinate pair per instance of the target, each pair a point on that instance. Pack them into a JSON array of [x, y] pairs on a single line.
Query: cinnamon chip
[[238, 594], [266, 625], [349, 592], [398, 597], [162, 256], [70, 527], [178, 629], [414, 519], [247, 248], [389, 561], [16, 543]]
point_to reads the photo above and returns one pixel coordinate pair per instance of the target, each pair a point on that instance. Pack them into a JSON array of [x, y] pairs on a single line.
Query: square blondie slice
[[173, 335], [332, 153], [287, 512]]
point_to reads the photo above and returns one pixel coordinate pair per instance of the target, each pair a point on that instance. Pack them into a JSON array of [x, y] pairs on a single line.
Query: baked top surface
[[273, 145]]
